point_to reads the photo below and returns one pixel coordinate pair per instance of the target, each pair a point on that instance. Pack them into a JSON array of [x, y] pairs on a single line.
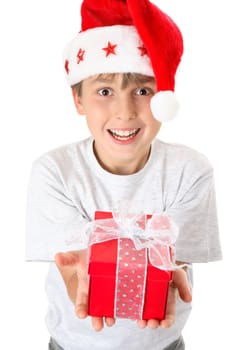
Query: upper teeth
[[124, 132]]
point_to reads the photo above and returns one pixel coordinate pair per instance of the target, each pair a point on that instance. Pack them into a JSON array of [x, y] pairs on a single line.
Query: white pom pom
[[164, 105]]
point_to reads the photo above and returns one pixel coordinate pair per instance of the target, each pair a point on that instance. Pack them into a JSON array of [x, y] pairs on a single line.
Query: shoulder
[[61, 166], [64, 158], [178, 156]]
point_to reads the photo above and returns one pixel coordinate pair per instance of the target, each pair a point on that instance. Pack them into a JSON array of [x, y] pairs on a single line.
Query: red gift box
[[103, 294]]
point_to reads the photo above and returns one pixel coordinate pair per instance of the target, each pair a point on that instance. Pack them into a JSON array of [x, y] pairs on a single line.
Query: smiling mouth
[[123, 135]]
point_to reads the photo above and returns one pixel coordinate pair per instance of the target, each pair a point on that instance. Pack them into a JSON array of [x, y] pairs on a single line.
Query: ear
[[77, 102]]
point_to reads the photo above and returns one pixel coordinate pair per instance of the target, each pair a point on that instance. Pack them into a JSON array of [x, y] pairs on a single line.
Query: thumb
[[181, 282], [81, 303]]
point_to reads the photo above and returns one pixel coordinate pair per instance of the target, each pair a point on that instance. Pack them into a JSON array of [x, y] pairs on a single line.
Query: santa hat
[[122, 36]]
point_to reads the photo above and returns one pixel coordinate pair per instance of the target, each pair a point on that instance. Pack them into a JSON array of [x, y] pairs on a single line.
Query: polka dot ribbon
[[130, 280]]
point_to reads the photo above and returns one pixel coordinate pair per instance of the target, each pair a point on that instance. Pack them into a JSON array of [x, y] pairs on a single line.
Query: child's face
[[120, 121]]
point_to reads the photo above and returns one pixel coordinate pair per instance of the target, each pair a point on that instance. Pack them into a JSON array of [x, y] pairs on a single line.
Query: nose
[[125, 108]]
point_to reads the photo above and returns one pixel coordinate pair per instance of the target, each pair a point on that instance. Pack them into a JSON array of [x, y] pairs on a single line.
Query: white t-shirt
[[68, 185]]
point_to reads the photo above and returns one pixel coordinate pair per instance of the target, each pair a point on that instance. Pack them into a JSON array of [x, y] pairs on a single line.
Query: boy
[[121, 67]]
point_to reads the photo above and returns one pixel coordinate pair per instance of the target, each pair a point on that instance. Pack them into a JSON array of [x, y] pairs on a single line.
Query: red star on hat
[[110, 49], [143, 50], [67, 66], [80, 56]]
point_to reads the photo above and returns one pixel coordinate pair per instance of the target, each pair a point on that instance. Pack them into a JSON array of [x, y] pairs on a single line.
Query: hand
[[179, 286], [73, 268]]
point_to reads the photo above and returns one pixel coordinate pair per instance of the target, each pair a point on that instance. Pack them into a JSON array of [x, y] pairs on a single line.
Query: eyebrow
[[145, 80]]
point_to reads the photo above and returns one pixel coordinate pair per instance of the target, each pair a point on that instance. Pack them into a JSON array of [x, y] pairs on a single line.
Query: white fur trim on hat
[[87, 54], [164, 105]]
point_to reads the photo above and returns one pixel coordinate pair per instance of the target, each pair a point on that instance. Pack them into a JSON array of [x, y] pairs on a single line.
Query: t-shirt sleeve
[[53, 222], [195, 213]]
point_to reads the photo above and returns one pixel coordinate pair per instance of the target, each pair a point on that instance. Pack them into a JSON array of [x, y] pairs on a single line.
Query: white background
[[37, 114]]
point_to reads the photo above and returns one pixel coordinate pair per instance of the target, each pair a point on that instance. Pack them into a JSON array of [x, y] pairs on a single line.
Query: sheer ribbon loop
[[157, 233]]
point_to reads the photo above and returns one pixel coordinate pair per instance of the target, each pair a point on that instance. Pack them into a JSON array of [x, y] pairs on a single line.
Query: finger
[[171, 307], [153, 324], [180, 280], [81, 308], [141, 323], [97, 323], [81, 303], [109, 321]]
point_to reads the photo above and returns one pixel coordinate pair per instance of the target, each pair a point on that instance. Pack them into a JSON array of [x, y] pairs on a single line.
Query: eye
[[143, 92], [105, 92]]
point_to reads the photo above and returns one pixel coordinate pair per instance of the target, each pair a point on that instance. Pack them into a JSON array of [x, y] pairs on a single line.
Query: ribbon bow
[[157, 233]]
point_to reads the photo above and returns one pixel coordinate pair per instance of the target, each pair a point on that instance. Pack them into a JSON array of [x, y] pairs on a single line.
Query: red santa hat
[[122, 36]]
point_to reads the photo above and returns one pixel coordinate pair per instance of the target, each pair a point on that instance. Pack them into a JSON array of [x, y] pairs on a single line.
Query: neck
[[123, 167]]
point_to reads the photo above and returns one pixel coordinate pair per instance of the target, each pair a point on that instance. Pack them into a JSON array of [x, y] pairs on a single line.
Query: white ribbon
[[158, 234]]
